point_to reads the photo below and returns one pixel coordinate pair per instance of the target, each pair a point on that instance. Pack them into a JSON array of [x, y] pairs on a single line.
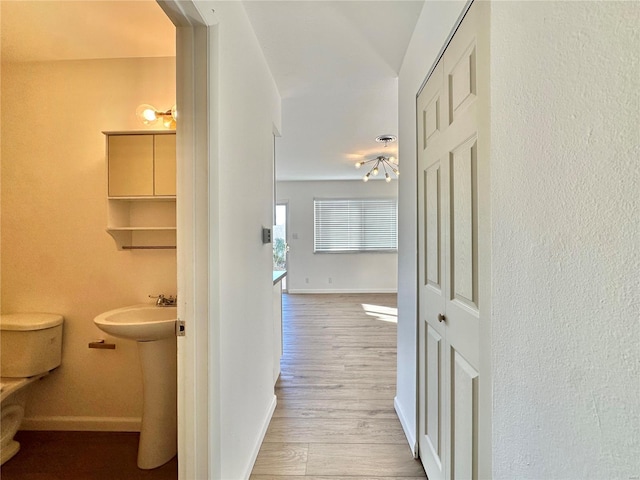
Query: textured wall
[[566, 260]]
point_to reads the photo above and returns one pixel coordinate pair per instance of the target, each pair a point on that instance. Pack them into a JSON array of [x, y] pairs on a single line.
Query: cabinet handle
[[441, 317]]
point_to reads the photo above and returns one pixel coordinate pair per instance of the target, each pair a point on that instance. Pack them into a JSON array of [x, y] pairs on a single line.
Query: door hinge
[[179, 328]]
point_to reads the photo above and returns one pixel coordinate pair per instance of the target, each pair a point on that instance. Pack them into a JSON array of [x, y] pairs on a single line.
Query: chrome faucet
[[163, 301]]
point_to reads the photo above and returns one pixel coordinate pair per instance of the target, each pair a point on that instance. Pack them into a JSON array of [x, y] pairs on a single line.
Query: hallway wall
[[245, 112], [566, 236]]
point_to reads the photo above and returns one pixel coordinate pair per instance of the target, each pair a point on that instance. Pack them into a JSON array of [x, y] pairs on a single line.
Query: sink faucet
[[163, 301]]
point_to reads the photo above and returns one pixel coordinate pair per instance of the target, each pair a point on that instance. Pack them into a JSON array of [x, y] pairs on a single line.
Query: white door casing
[[453, 258], [196, 250]]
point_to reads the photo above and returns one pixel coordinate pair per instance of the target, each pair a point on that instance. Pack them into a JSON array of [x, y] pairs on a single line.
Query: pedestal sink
[[153, 328]]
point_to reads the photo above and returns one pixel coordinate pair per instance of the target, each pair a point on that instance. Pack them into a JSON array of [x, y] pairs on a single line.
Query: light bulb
[[366, 177], [147, 114], [393, 160], [396, 171], [375, 171], [358, 164], [168, 121], [387, 178]]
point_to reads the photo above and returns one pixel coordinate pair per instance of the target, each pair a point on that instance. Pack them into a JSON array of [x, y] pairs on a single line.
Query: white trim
[[198, 412], [446, 44], [263, 432], [337, 290], [409, 433], [82, 424]]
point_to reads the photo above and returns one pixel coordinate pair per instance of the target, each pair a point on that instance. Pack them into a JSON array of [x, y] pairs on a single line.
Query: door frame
[[196, 79]]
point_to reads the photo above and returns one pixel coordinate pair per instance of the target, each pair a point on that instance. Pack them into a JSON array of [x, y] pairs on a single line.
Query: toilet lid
[[29, 321]]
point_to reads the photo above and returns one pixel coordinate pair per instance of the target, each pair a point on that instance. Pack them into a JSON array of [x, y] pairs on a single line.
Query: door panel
[[165, 165], [434, 392], [431, 118], [130, 165], [432, 226], [462, 81], [452, 181], [463, 234], [464, 418]]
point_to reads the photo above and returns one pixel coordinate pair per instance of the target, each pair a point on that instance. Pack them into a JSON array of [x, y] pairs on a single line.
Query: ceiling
[[335, 64]]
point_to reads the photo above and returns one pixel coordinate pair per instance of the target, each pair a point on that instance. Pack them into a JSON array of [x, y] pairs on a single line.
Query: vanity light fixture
[[381, 161], [149, 115]]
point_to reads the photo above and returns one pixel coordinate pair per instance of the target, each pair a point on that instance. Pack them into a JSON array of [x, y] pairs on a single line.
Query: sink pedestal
[[153, 328], [158, 435]]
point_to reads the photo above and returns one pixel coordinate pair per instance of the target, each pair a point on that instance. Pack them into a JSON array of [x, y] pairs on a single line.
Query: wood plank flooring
[[335, 417], [81, 456]]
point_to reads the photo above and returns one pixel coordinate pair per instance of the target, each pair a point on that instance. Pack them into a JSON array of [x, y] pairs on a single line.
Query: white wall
[[566, 260], [56, 255], [433, 27], [247, 106], [349, 272]]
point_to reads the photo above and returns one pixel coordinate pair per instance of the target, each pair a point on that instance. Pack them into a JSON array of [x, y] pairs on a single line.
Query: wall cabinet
[[141, 184]]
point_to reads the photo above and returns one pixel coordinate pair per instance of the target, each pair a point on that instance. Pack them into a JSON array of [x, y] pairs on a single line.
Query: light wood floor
[[335, 417]]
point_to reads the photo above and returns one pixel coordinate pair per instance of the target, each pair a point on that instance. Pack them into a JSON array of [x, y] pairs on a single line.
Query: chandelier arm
[[393, 169]]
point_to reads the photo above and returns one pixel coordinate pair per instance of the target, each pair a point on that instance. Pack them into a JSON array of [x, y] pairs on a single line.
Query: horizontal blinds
[[355, 225]]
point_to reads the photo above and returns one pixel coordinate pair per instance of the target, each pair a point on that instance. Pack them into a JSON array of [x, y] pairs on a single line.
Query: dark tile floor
[[81, 456]]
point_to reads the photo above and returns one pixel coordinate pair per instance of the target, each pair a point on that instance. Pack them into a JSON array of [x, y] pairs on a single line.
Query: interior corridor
[[335, 415]]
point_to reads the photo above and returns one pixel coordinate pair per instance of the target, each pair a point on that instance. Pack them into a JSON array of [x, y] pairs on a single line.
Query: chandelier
[[381, 163]]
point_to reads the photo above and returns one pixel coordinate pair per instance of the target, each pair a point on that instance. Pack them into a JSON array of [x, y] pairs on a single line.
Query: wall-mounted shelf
[[141, 185]]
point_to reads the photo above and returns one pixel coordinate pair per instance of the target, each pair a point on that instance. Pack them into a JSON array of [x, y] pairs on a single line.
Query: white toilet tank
[[30, 343]]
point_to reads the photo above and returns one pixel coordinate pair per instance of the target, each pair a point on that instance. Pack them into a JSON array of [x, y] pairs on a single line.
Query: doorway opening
[[280, 241]]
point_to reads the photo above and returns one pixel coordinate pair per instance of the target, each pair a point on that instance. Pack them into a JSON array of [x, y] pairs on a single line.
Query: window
[[355, 225]]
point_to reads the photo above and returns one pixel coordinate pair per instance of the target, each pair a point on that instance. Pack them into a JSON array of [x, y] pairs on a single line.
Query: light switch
[[266, 235]]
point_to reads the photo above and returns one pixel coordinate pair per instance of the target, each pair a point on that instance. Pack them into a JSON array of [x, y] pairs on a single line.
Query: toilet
[[30, 347]]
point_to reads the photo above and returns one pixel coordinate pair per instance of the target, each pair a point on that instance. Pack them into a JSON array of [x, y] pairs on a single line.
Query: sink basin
[[143, 323], [153, 329]]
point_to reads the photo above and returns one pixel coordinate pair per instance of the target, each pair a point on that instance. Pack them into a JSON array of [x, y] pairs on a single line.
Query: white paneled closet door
[[454, 254]]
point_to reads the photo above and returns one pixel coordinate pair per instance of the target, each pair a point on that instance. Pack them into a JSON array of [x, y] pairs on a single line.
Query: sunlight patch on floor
[[386, 314]]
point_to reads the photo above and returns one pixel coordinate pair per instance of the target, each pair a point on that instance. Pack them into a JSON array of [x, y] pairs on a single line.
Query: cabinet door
[[165, 165], [130, 165]]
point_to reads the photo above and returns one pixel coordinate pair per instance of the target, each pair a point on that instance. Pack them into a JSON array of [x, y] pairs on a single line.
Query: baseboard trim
[[345, 291], [409, 430], [88, 424], [263, 433]]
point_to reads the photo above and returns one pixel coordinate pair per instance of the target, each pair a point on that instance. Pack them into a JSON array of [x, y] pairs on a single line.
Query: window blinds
[[355, 225]]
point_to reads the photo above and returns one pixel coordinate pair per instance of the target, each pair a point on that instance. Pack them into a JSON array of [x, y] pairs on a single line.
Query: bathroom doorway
[[54, 138]]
